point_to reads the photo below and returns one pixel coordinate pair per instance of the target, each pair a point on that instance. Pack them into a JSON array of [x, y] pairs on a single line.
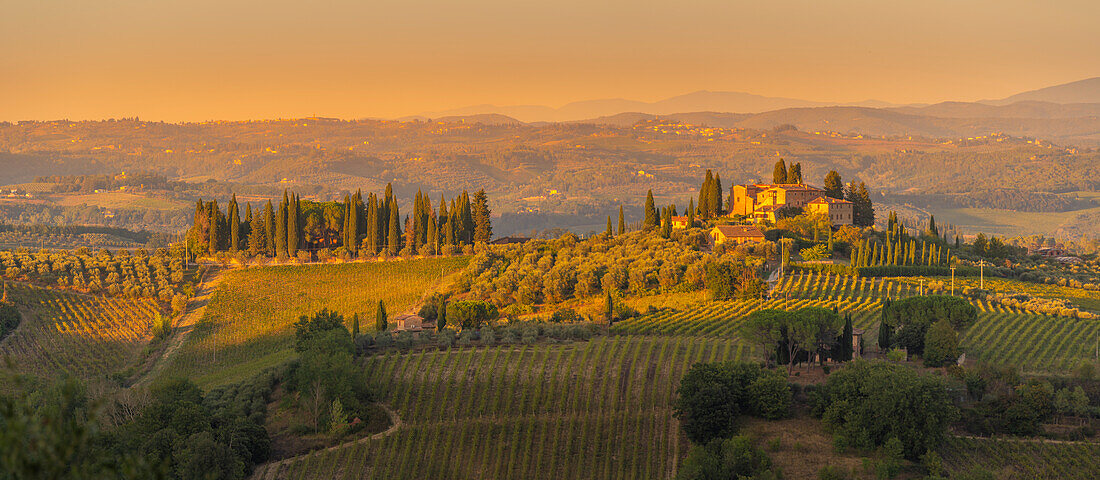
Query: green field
[[246, 326], [595, 409], [1008, 222], [87, 336]]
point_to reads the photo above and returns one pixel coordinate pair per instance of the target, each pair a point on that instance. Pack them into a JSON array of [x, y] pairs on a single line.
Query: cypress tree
[[779, 173], [608, 234], [794, 175], [433, 236], [257, 235], [355, 326], [269, 229], [280, 229], [666, 223], [691, 214], [467, 219], [381, 320], [705, 195], [865, 210], [483, 227], [834, 186], [650, 213], [393, 239], [372, 224], [932, 226], [609, 308], [234, 219], [353, 227], [213, 211], [622, 221], [716, 196]]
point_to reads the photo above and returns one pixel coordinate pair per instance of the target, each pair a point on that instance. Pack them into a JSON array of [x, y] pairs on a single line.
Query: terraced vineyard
[[1003, 335], [1022, 459], [596, 409], [83, 335], [246, 326]]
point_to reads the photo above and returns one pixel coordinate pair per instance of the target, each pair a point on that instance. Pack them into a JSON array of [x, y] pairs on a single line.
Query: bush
[[564, 315], [832, 472], [771, 396], [726, 458], [941, 345]]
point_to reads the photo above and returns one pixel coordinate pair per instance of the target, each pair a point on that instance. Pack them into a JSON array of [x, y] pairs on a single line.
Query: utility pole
[[922, 286], [981, 274]]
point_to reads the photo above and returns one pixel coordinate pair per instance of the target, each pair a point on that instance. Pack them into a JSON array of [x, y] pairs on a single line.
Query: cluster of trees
[[359, 226], [23, 213], [710, 204], [710, 398], [330, 388], [993, 247], [897, 248], [875, 404], [799, 335], [727, 281], [172, 432], [926, 325], [1003, 402], [553, 271], [782, 174], [91, 183], [136, 274]]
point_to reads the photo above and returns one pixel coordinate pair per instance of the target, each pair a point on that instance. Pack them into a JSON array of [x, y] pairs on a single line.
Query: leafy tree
[[868, 403], [471, 314], [704, 404], [771, 396], [912, 316], [729, 458], [941, 345], [765, 327]]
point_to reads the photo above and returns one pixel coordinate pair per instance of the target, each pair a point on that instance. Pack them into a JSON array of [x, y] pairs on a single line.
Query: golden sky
[[232, 59]]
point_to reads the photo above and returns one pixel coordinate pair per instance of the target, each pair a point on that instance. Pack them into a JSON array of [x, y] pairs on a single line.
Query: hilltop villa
[[760, 201]]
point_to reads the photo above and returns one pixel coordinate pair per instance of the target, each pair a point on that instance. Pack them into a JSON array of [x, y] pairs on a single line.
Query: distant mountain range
[[1068, 114]]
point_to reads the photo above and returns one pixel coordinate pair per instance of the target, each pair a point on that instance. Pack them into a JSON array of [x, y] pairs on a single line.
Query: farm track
[[195, 310], [275, 470]]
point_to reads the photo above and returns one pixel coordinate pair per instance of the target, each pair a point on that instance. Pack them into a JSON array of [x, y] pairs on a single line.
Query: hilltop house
[[736, 234], [838, 211], [760, 201], [409, 321], [679, 222]]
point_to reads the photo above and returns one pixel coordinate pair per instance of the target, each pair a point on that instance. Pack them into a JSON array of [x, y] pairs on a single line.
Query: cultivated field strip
[[1022, 459], [83, 335], [1034, 341], [247, 325], [596, 409]]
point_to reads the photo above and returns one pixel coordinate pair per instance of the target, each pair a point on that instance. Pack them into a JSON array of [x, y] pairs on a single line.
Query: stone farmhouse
[[760, 201]]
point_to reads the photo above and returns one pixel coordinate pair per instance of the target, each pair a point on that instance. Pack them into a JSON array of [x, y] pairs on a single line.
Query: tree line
[[360, 226]]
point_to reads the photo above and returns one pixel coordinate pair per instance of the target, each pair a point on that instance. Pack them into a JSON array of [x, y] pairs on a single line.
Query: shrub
[[771, 396], [941, 345]]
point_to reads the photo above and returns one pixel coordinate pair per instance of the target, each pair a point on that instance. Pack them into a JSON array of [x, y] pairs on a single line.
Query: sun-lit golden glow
[[205, 59]]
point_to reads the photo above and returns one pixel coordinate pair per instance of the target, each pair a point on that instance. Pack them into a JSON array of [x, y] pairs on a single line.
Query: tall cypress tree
[[650, 220], [779, 173], [212, 212], [834, 186], [666, 223], [381, 320], [794, 175], [622, 221], [280, 229], [467, 219], [716, 195], [393, 238], [691, 214], [608, 233], [865, 209], [483, 227], [257, 235], [269, 229], [705, 193], [294, 226], [234, 219], [884, 329]]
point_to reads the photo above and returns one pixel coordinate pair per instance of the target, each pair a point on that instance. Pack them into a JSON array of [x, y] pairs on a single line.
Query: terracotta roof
[[740, 231], [680, 218], [797, 187], [828, 200]]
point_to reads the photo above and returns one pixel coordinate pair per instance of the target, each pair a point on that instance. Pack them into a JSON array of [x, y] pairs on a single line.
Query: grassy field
[[121, 200], [1007, 222], [246, 326], [595, 409], [86, 336]]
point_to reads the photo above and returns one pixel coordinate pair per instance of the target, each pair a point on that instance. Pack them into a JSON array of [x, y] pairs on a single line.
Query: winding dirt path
[[277, 469], [196, 307]]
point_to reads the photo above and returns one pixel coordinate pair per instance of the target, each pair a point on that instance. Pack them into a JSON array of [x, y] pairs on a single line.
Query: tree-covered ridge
[[355, 226], [133, 274]]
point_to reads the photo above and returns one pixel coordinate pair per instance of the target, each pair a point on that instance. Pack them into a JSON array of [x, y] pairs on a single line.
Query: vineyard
[[595, 409], [1022, 459], [1001, 335], [86, 336], [246, 326]]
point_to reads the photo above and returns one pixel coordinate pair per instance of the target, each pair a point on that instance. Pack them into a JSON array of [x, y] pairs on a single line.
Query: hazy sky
[[234, 59]]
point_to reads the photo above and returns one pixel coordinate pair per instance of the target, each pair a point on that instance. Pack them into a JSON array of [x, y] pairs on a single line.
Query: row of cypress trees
[[370, 226]]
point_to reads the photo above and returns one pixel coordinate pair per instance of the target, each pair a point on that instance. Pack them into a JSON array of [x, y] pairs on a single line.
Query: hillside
[[1081, 91]]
